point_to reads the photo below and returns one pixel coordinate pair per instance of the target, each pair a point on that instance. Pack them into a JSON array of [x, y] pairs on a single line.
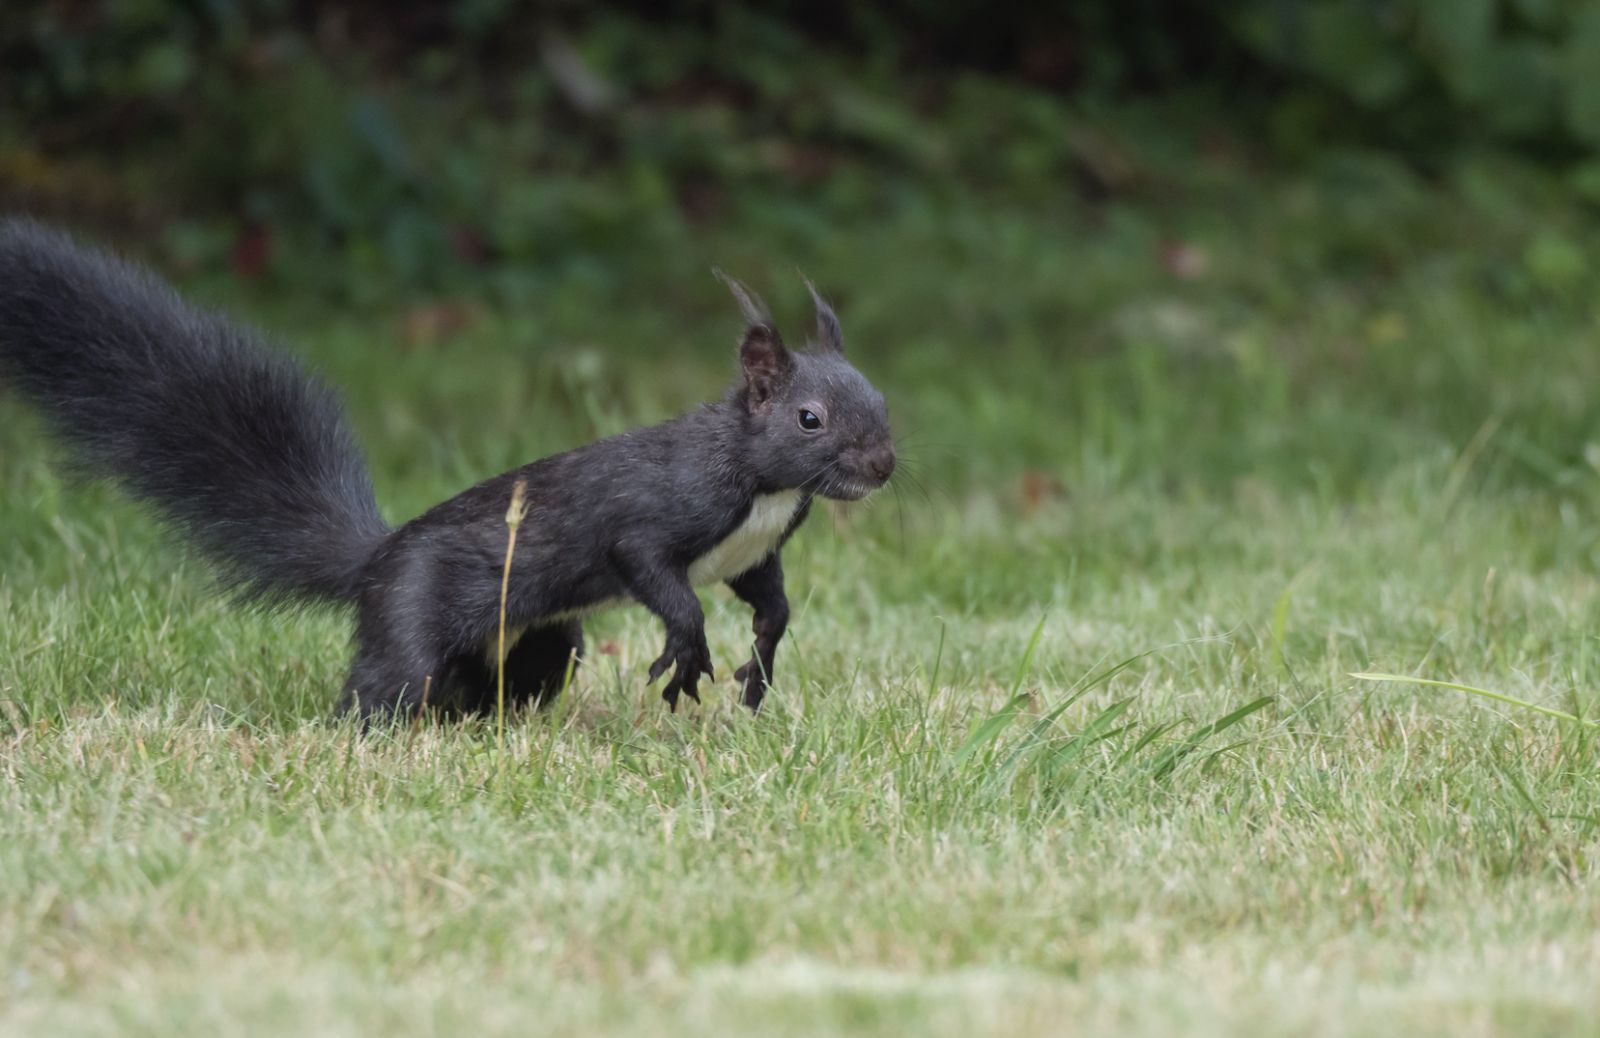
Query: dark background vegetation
[[1198, 242], [417, 146]]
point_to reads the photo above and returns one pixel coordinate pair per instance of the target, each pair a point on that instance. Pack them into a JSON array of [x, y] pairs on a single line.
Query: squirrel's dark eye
[[809, 420]]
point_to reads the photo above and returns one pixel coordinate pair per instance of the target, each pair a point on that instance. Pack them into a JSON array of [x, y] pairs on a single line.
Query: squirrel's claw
[[672, 691], [689, 659], [688, 663]]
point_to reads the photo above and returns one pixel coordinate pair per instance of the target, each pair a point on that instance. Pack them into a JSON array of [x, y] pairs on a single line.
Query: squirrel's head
[[815, 422]]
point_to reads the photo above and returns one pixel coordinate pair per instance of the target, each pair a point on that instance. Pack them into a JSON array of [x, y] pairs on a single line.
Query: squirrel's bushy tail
[[232, 442]]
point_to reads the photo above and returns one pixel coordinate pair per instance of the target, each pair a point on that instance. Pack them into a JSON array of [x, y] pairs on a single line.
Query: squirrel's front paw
[[689, 659]]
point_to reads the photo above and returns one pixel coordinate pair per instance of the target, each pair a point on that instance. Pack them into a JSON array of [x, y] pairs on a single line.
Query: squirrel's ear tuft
[[762, 354], [750, 304], [829, 335], [766, 363]]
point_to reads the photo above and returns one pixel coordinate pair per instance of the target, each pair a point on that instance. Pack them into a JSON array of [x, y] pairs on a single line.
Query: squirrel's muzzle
[[881, 462]]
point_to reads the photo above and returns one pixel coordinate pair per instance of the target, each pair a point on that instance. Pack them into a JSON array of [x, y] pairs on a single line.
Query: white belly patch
[[751, 542]]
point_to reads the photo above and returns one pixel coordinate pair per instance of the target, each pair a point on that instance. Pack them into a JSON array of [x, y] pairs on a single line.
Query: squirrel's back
[[232, 442]]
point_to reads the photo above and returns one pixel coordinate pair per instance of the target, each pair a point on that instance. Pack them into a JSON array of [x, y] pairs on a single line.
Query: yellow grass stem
[[514, 516]]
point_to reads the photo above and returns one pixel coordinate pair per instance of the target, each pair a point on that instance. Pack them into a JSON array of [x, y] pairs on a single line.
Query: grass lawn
[[1064, 738]]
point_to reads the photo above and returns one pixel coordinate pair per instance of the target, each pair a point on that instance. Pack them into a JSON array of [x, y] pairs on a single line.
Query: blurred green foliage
[[477, 147], [1426, 73]]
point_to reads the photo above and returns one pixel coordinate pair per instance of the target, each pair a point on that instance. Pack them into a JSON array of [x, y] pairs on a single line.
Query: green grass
[[1065, 736]]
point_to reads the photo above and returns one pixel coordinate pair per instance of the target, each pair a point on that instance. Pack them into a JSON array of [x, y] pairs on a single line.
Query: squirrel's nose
[[881, 462]]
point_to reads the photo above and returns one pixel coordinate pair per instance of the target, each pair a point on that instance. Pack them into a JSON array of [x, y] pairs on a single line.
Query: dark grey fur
[[251, 459]]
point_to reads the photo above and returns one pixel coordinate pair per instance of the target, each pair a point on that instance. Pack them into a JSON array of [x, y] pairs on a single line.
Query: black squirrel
[[252, 460]]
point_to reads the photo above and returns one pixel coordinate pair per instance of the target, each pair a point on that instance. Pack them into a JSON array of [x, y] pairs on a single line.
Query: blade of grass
[[1280, 615], [1093, 732], [1168, 760], [990, 728], [1036, 733], [1030, 747], [1145, 740], [1499, 697], [1027, 657]]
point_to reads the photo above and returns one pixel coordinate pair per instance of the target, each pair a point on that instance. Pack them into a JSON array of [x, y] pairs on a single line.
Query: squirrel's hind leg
[[389, 684], [537, 666], [536, 669]]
